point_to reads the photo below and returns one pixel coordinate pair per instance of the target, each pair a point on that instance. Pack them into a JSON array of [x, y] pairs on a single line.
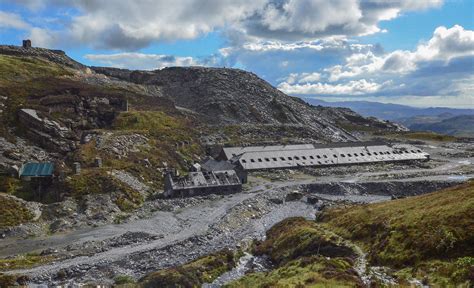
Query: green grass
[[13, 212], [18, 69], [24, 261], [154, 123], [412, 232], [313, 271], [305, 255], [123, 279], [193, 274], [297, 237], [97, 181]]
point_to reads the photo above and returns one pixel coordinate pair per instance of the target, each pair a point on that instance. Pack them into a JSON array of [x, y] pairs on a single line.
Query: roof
[[231, 152], [32, 169], [328, 156]]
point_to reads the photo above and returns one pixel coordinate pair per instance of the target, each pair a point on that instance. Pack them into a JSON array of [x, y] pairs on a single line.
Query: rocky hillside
[[139, 123], [233, 96]]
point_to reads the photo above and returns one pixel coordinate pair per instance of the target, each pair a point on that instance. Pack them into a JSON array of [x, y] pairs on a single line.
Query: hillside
[[432, 233], [141, 122], [428, 237], [461, 126]]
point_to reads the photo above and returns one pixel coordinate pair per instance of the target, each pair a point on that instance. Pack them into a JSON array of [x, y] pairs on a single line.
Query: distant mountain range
[[388, 111], [457, 122]]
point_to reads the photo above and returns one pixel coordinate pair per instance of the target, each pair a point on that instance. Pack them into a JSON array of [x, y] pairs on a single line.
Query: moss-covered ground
[[305, 254], [12, 212], [98, 181], [311, 271], [24, 261], [193, 274], [432, 234]]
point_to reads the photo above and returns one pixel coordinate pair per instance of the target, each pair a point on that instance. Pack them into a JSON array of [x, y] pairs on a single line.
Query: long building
[[306, 155]]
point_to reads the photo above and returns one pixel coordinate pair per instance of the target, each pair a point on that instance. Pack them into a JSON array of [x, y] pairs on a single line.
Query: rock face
[[47, 132], [233, 96]]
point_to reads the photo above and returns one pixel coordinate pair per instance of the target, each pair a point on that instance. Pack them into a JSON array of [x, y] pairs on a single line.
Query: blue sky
[[414, 52]]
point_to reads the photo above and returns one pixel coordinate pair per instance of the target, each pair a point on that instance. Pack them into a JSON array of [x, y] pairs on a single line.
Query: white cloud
[[141, 61], [303, 78], [356, 87], [12, 20], [43, 38], [445, 45], [130, 25]]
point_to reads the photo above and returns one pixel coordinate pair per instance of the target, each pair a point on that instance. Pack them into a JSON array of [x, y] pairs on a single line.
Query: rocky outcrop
[[233, 96], [47, 133]]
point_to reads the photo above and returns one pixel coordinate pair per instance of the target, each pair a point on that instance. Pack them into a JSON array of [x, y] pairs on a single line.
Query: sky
[[412, 52]]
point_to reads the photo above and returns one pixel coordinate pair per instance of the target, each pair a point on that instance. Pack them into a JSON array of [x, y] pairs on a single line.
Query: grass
[[13, 212], [305, 255], [24, 261], [97, 181], [193, 274], [154, 123], [19, 69], [412, 232], [313, 271], [297, 237]]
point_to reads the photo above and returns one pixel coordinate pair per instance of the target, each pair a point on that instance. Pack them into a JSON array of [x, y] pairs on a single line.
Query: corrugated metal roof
[[32, 169], [231, 152], [328, 156]]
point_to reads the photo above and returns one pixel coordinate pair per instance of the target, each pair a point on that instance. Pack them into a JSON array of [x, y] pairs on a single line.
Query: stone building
[[202, 183], [26, 43]]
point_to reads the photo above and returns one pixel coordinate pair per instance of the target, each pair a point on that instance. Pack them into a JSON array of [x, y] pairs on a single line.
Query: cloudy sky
[[415, 52]]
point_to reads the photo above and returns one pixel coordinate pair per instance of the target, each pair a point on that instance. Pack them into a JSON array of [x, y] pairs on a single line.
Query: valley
[[99, 215]]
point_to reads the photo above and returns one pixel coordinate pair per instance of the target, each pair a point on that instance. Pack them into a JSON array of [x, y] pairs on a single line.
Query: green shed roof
[[31, 169]]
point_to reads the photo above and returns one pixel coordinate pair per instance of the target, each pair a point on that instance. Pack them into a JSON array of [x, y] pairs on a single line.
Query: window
[[282, 158], [355, 154], [252, 160], [259, 159], [334, 155], [289, 158], [370, 154], [325, 156], [266, 159], [244, 161], [419, 151], [274, 159], [349, 155], [304, 158], [319, 157], [388, 153], [375, 153], [311, 157], [413, 151], [319, 162], [361, 154], [297, 158], [343, 156]]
